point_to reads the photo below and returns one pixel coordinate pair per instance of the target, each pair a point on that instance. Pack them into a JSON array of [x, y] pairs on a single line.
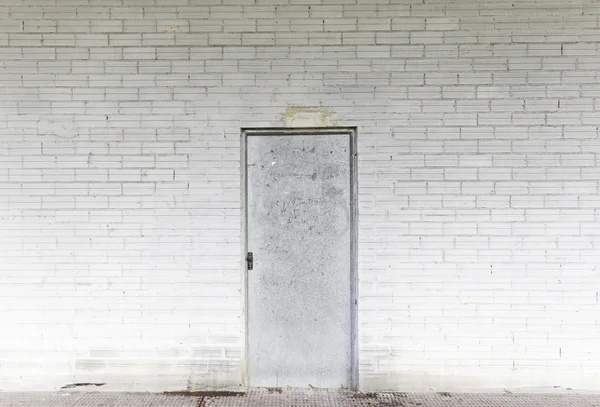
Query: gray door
[[299, 232]]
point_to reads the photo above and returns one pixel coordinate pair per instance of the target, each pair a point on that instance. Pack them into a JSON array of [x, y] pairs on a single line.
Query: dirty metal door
[[299, 285]]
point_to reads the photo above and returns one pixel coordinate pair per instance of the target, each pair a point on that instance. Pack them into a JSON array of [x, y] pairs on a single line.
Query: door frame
[[304, 131]]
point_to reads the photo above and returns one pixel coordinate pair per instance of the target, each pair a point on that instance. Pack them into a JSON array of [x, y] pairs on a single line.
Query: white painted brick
[[106, 53], [121, 40], [106, 26], [478, 154], [345, 24], [137, 53]]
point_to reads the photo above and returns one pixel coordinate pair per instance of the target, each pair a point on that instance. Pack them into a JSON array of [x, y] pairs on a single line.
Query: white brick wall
[[120, 193]]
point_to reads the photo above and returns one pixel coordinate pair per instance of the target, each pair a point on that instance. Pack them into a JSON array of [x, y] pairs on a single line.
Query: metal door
[[299, 279]]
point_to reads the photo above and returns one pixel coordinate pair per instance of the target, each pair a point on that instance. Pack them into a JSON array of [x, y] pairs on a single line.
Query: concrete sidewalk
[[293, 398]]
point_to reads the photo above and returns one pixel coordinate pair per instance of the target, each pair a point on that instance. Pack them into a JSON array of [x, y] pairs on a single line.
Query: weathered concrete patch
[[307, 116]]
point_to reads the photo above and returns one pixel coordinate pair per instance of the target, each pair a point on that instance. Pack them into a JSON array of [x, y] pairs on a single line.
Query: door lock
[[249, 261]]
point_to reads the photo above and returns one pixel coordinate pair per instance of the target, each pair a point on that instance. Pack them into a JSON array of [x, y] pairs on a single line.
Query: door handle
[[249, 261]]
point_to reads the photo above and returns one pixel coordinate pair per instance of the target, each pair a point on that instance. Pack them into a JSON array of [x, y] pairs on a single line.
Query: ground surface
[[293, 398]]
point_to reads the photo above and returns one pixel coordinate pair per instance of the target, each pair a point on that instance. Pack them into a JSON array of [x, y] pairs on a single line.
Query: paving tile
[[295, 398]]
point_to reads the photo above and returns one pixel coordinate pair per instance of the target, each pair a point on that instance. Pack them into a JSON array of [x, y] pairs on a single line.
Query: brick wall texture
[[479, 166]]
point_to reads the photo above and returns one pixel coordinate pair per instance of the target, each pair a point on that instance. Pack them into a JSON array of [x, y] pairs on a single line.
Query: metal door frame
[[308, 131]]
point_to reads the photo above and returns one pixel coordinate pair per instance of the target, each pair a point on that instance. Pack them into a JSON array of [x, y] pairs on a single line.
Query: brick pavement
[[294, 398]]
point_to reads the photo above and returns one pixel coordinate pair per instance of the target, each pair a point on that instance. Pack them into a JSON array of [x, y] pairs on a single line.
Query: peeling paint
[[307, 116], [58, 128]]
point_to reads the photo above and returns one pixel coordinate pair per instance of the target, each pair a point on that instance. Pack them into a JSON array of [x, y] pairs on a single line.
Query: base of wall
[[146, 382], [480, 381], [484, 381]]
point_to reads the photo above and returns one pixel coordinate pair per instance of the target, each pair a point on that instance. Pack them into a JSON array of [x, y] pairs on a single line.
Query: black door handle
[[249, 261]]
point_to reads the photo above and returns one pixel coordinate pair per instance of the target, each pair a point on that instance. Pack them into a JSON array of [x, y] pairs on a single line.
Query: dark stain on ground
[[386, 399], [389, 403], [365, 396], [371, 399], [202, 393], [74, 385], [444, 394]]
